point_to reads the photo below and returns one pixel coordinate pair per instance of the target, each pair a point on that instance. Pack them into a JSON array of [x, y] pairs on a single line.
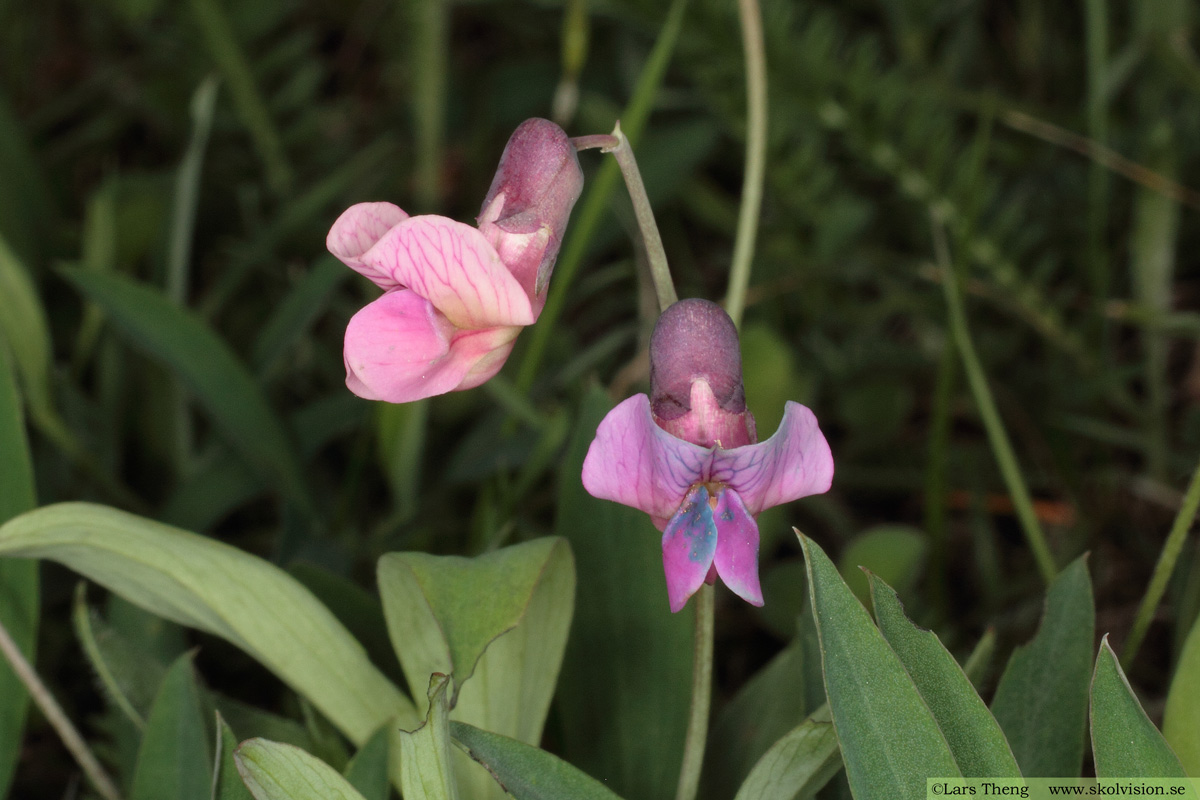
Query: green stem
[[430, 35], [935, 476], [756, 158], [1002, 448], [56, 717], [1162, 571], [697, 731], [594, 203], [656, 255]]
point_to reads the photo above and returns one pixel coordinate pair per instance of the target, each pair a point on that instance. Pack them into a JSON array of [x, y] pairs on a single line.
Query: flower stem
[[1002, 448], [697, 731], [56, 717], [1162, 571], [660, 272], [756, 158]]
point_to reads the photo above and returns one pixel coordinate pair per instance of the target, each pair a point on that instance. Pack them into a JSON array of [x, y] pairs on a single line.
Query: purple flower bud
[[696, 390], [527, 207]]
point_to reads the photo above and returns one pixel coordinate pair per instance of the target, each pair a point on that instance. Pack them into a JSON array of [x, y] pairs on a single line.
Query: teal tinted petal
[[689, 544]]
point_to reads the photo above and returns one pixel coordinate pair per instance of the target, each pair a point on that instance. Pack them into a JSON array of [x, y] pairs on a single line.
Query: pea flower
[[687, 455], [455, 297]]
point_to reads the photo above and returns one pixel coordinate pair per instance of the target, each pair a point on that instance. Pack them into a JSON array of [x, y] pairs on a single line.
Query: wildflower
[[456, 297], [687, 455]]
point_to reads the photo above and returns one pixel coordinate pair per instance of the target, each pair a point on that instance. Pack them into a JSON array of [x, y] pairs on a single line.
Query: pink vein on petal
[[357, 230], [453, 266]]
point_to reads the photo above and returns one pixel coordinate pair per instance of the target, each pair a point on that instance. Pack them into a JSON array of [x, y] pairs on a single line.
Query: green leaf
[[889, 739], [23, 326], [1041, 701], [368, 770], [800, 763], [1125, 743], [19, 592], [217, 588], [625, 685], [1181, 719], [526, 772], [297, 311], [227, 783], [425, 767], [174, 759], [974, 736], [205, 363], [764, 710], [443, 611], [275, 771]]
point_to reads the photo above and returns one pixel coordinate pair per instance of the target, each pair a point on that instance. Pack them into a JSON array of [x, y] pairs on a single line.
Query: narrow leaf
[[889, 739], [206, 364], [274, 771], [1125, 743], [217, 588], [19, 592], [526, 772], [1041, 701], [1181, 719], [227, 783], [426, 772], [974, 736], [174, 760], [800, 763]]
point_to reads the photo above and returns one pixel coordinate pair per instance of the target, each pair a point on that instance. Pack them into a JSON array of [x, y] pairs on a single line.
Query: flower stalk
[[697, 730]]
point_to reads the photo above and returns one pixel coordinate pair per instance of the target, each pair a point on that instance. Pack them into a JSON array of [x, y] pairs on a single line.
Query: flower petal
[[357, 230], [737, 547], [634, 462], [452, 266], [793, 463], [400, 348], [688, 544]]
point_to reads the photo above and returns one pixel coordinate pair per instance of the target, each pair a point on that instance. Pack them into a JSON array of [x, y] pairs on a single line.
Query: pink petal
[[688, 545], [793, 463], [634, 462], [452, 266], [737, 547], [357, 230], [400, 348]]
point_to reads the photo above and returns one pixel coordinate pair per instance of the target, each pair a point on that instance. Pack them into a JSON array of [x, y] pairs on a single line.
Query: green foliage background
[[202, 149]]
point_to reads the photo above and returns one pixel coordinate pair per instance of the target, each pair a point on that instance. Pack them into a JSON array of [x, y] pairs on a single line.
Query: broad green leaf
[[526, 772], [889, 739], [368, 770], [764, 710], [217, 588], [227, 783], [205, 363], [425, 767], [893, 552], [624, 690], [275, 771], [798, 764], [449, 609], [1181, 719], [174, 760], [443, 611], [1041, 701], [1125, 743], [974, 736], [19, 593]]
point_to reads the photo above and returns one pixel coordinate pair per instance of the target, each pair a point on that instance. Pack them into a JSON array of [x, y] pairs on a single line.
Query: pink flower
[[455, 297], [687, 455]]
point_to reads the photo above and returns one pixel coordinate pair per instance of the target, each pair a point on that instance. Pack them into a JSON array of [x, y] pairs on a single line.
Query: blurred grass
[[1060, 164]]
